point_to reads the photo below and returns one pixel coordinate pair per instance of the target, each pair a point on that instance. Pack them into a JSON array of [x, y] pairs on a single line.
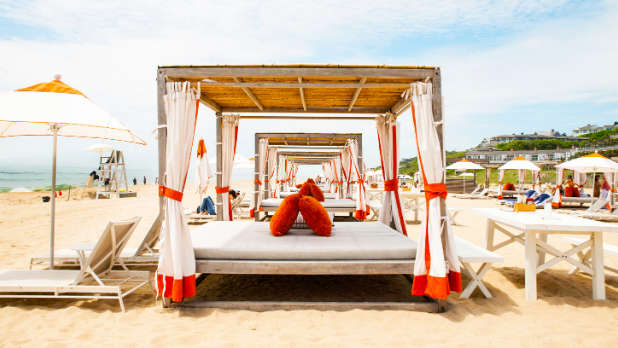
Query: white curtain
[[176, 270], [487, 176], [344, 156], [521, 177], [501, 177], [203, 173], [336, 163], [229, 134], [557, 199], [431, 276], [326, 168], [272, 172], [536, 179], [388, 140], [282, 174], [580, 180], [261, 166], [294, 174], [362, 208]]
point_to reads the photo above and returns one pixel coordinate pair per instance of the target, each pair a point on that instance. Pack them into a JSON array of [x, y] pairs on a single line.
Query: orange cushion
[[305, 190], [311, 181], [315, 216], [509, 187], [317, 193], [284, 217], [568, 191], [575, 192], [299, 185]]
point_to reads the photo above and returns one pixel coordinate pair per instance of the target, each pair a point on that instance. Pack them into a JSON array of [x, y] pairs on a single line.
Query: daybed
[[327, 195], [248, 247]]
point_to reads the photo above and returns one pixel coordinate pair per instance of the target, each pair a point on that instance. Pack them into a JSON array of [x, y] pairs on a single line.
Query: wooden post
[[256, 186], [162, 120], [267, 175], [219, 172], [437, 117]]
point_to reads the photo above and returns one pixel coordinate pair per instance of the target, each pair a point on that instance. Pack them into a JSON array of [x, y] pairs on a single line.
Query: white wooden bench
[[608, 249], [375, 208], [470, 253], [453, 214]]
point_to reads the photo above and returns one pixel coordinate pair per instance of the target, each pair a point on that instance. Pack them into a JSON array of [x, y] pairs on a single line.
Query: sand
[[564, 315]]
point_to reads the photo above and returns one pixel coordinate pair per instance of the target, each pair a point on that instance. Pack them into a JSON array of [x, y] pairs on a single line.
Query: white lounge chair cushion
[[72, 254], [329, 203], [26, 278], [248, 240]]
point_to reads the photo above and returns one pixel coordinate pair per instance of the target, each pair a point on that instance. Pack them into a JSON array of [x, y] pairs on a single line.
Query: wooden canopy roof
[[300, 88], [308, 139]]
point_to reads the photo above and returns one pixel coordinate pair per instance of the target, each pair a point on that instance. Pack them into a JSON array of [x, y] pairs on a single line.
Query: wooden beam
[[286, 117], [306, 72], [302, 94], [244, 85], [263, 306], [400, 105], [162, 132], [305, 267], [356, 94], [247, 91], [210, 103], [316, 110]]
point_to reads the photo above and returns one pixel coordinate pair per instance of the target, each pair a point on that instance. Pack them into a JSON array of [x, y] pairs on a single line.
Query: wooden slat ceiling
[[339, 100]]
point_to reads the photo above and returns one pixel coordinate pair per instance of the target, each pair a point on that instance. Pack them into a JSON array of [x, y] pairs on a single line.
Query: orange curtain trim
[[176, 289], [201, 148], [222, 189], [169, 193], [391, 185]]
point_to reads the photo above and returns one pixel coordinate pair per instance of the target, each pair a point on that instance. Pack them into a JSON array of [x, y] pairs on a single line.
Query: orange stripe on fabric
[[176, 289], [391, 185], [435, 287], [169, 193], [201, 148], [222, 189], [402, 221], [52, 87]]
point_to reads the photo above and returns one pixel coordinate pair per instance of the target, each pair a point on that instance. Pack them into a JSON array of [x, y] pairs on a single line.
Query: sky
[[507, 66]]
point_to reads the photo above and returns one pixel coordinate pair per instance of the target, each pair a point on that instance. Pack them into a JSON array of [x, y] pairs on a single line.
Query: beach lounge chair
[[478, 193], [142, 255], [97, 267]]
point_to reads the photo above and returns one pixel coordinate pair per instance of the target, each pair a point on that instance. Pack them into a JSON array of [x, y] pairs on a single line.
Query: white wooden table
[[533, 223], [413, 201], [375, 193], [81, 252]]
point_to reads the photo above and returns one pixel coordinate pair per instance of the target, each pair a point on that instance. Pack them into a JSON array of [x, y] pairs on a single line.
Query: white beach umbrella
[[520, 163], [464, 164], [56, 109], [244, 166], [99, 148], [593, 163]]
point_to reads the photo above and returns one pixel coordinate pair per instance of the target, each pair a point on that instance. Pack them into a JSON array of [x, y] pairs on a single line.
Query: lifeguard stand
[[112, 168]]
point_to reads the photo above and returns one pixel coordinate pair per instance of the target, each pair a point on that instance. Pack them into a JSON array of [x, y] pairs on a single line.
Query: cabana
[[289, 145], [284, 89]]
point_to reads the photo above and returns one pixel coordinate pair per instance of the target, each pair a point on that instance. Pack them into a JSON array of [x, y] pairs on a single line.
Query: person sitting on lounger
[[569, 181], [207, 207], [234, 193], [605, 188]]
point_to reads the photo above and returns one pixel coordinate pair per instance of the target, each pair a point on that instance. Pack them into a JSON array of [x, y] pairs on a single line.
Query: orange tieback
[[391, 185], [435, 190], [257, 182], [360, 181], [222, 189], [169, 193]]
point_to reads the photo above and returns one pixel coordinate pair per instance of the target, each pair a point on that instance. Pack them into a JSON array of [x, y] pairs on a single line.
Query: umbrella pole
[[53, 200]]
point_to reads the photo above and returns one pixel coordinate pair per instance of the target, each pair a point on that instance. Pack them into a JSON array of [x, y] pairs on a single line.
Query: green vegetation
[[545, 144], [601, 136], [606, 153]]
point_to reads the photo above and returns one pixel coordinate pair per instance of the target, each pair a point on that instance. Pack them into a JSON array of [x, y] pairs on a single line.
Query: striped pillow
[[300, 222]]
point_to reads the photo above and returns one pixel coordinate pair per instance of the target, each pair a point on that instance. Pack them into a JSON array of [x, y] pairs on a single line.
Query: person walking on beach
[[134, 181], [144, 179]]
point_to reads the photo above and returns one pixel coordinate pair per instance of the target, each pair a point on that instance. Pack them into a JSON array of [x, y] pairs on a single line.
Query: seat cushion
[[248, 240]]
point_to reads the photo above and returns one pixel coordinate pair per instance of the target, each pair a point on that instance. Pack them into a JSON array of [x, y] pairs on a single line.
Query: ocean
[[38, 177]]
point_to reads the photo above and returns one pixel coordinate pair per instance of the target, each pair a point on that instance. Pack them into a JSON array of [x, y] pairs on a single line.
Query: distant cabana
[[379, 93]]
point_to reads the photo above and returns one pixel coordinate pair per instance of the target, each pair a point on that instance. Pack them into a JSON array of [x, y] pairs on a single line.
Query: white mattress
[[248, 240], [326, 195], [331, 203]]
